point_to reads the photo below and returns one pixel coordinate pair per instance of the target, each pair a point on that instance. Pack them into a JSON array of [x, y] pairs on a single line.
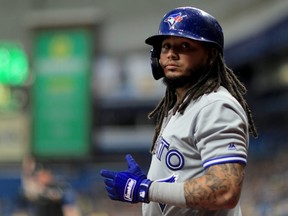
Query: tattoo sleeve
[[219, 188]]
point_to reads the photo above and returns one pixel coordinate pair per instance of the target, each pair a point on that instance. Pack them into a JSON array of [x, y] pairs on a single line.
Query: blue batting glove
[[131, 185]]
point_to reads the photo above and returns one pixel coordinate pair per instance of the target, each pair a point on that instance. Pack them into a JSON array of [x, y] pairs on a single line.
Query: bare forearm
[[219, 188]]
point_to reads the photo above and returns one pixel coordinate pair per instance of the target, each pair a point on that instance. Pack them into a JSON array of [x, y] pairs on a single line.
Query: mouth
[[171, 66]]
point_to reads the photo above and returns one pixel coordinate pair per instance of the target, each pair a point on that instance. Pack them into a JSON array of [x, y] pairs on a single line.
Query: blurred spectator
[[47, 195]]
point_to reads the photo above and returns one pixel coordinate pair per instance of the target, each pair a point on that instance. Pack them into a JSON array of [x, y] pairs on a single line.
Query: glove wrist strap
[[143, 191]]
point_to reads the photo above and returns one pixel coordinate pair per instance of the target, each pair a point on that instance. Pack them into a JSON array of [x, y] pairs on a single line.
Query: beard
[[185, 80]]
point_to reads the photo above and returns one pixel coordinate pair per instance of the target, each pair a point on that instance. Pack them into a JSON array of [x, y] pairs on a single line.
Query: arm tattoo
[[218, 188]]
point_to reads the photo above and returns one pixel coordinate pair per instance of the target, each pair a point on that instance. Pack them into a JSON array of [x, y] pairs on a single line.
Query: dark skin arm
[[219, 188]]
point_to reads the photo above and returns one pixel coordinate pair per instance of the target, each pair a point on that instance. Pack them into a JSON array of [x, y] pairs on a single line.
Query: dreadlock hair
[[218, 75]]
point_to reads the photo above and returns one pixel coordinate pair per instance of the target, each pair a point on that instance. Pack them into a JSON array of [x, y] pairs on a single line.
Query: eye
[[185, 45], [165, 47]]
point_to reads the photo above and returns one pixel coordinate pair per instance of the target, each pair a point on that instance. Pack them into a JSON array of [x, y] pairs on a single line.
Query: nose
[[172, 53]]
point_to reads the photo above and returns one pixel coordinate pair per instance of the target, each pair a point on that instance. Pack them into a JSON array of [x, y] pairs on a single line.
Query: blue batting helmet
[[187, 22]]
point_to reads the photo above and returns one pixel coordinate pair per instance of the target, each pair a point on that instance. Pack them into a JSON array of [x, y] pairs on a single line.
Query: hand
[[131, 185]]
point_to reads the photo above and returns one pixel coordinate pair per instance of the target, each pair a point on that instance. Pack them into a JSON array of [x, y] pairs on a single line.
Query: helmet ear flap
[[157, 70]]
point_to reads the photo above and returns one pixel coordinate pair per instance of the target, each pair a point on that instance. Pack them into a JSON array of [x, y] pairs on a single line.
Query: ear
[[213, 53]]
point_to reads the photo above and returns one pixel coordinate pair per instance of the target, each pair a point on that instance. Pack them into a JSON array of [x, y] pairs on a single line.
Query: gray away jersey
[[212, 130]]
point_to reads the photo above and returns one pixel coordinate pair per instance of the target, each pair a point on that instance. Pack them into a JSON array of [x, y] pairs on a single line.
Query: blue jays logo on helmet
[[173, 19]]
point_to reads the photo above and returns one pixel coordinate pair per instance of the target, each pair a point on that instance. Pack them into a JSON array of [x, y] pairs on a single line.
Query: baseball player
[[199, 150]]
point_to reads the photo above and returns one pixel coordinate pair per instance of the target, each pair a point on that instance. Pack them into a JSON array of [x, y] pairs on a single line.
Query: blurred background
[[76, 88]]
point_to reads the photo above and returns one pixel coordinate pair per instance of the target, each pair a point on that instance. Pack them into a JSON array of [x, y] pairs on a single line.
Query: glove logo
[[129, 189], [142, 194]]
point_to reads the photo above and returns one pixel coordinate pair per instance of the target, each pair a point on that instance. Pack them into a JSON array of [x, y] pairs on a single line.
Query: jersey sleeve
[[221, 133]]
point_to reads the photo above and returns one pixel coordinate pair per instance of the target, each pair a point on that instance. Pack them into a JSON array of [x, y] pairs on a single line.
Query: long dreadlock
[[219, 75]]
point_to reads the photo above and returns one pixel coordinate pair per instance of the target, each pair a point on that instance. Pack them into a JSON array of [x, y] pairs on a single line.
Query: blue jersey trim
[[225, 159]]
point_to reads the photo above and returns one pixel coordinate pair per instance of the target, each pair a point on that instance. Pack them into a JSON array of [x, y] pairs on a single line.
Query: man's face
[[183, 61], [44, 177]]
